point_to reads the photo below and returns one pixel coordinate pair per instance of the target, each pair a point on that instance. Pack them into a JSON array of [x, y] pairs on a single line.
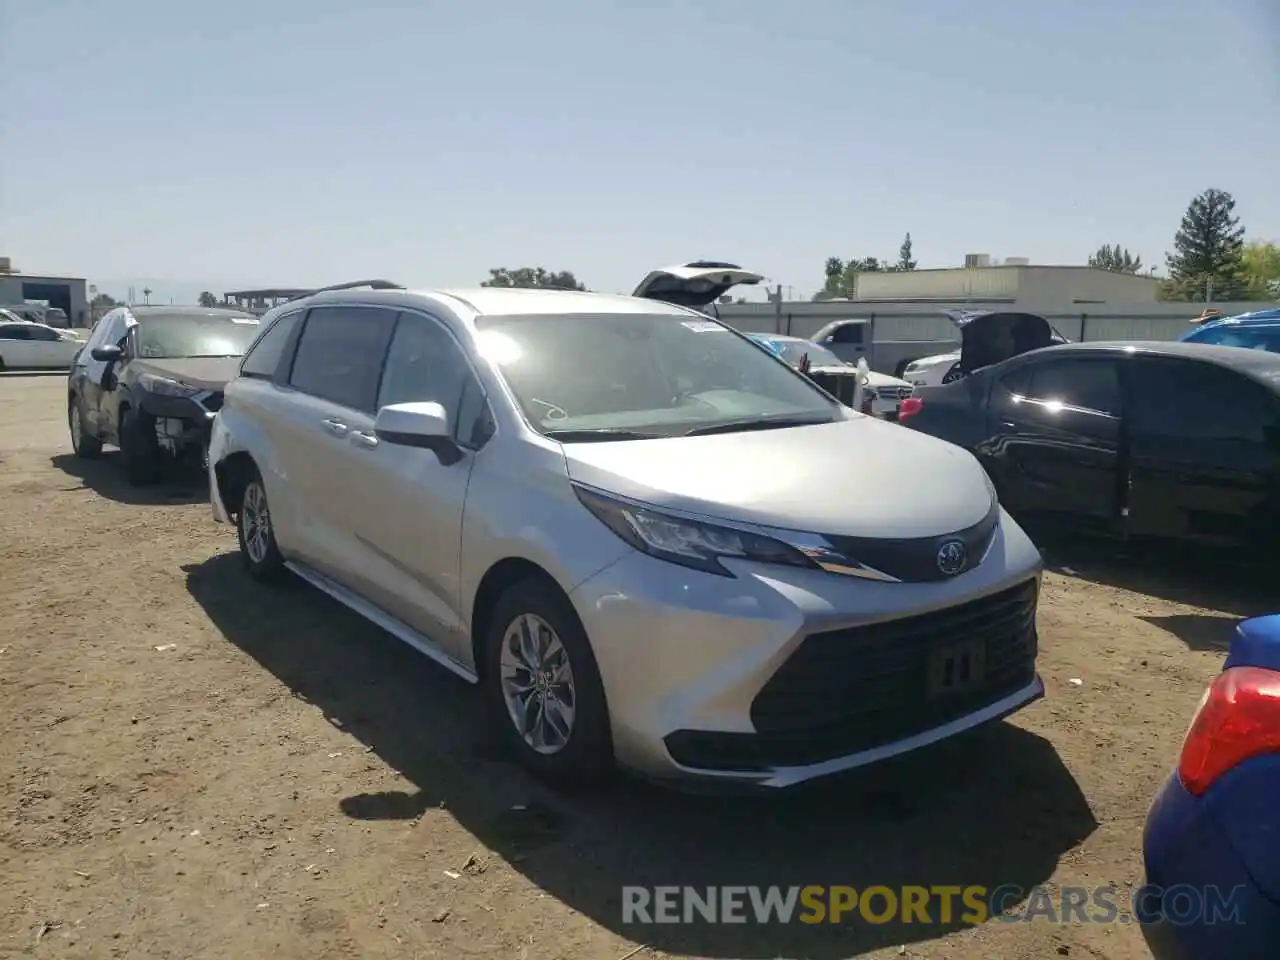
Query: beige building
[[1024, 283]]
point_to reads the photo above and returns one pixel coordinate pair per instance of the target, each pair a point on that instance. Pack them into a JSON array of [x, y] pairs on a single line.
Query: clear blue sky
[[309, 141]]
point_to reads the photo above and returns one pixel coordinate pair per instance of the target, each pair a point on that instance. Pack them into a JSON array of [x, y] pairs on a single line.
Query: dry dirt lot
[[196, 767]]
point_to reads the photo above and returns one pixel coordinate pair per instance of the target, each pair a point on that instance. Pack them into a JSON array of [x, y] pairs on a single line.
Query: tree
[[1117, 259], [103, 302], [834, 286], [904, 255], [207, 299], [1260, 268], [1208, 246], [532, 277]]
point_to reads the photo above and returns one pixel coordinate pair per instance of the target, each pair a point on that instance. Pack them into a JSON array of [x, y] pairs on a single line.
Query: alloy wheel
[[537, 684], [255, 520]]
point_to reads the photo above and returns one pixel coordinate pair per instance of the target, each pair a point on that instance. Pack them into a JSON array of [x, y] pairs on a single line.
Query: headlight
[[166, 387], [686, 542]]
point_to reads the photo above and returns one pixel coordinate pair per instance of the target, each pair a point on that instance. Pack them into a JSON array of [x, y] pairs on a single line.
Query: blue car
[[1212, 839], [1259, 330]]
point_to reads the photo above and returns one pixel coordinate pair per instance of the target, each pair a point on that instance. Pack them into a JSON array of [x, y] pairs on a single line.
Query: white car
[[648, 541], [883, 392], [33, 346], [1007, 332], [933, 371]]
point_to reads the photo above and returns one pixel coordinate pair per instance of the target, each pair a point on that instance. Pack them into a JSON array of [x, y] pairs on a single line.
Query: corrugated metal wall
[[904, 320]]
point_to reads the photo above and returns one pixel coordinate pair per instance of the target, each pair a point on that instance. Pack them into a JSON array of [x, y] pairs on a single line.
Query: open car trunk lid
[[695, 284], [990, 337]]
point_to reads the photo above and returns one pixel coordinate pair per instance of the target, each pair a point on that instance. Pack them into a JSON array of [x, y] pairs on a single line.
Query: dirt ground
[[195, 767]]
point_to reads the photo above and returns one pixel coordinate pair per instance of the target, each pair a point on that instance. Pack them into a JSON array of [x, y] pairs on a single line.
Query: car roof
[[466, 305], [1260, 364], [1264, 317]]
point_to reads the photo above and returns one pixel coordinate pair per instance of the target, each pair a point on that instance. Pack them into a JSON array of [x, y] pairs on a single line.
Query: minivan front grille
[[844, 691], [874, 676]]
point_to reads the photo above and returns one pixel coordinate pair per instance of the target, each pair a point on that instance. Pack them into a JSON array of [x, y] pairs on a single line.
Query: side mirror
[[109, 354], [424, 425]]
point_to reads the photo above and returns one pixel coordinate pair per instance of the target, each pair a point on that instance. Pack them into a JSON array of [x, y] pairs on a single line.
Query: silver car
[[649, 542]]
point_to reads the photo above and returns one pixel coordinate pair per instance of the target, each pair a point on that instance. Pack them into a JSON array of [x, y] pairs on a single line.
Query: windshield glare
[[174, 336], [656, 375]]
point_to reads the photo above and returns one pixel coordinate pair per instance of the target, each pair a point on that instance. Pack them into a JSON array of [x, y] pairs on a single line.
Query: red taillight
[[1238, 719], [909, 408]]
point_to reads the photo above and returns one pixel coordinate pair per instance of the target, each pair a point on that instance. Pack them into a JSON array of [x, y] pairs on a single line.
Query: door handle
[[366, 440], [335, 426]]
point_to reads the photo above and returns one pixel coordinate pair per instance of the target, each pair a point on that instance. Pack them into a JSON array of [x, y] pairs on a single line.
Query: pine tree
[[1208, 245], [904, 255], [1116, 259]]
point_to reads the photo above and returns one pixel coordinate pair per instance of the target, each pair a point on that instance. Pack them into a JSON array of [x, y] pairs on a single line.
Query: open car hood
[[695, 284], [990, 337]]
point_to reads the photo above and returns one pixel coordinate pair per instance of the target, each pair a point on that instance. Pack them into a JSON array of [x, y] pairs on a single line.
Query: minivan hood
[[694, 284], [859, 477], [991, 337], [207, 373]]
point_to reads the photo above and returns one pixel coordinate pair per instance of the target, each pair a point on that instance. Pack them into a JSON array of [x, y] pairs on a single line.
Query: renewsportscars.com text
[[936, 904]]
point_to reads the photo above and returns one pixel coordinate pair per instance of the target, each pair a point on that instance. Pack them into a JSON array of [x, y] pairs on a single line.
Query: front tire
[[543, 687], [83, 444], [139, 450], [257, 534]]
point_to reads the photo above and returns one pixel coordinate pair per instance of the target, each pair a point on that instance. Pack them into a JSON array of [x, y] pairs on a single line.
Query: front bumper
[[181, 423], [776, 676]]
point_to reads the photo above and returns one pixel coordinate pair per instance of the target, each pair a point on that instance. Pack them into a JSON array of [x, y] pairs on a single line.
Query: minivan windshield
[[170, 336], [632, 376]]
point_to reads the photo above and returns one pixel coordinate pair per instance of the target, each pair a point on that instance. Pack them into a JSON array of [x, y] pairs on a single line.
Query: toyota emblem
[[952, 556]]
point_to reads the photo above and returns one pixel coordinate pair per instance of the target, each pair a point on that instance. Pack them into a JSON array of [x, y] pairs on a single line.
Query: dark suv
[[150, 380]]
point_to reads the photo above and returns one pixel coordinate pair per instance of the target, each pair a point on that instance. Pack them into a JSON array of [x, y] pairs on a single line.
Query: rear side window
[[263, 358], [1187, 401], [1089, 384], [42, 333], [340, 352]]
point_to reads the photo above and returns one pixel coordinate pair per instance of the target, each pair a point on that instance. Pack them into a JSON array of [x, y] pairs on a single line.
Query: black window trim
[[1132, 387], [284, 373], [487, 405], [262, 335], [1027, 370]]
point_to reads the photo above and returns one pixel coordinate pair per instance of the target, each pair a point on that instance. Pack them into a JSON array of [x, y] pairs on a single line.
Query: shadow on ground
[[1198, 631], [998, 808], [1212, 580], [105, 477], [14, 374]]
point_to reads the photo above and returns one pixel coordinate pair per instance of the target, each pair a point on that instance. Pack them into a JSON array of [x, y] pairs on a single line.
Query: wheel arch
[[497, 580], [233, 473]]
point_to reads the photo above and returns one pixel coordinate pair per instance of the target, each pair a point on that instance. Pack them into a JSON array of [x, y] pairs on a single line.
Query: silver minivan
[[651, 542]]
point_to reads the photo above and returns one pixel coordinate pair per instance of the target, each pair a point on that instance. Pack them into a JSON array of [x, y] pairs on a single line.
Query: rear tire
[[565, 675], [139, 450], [258, 547], [83, 444]]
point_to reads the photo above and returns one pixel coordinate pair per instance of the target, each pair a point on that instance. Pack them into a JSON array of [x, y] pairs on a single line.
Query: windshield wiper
[[599, 434], [756, 423]]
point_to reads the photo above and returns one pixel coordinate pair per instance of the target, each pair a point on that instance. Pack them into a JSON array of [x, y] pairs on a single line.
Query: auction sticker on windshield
[[703, 326], [252, 321]]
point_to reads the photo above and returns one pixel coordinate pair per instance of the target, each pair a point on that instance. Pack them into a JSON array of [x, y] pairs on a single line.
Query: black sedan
[[150, 380], [1161, 440]]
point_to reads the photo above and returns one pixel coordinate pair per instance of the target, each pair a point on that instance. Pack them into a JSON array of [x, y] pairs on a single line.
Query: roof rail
[[353, 285]]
